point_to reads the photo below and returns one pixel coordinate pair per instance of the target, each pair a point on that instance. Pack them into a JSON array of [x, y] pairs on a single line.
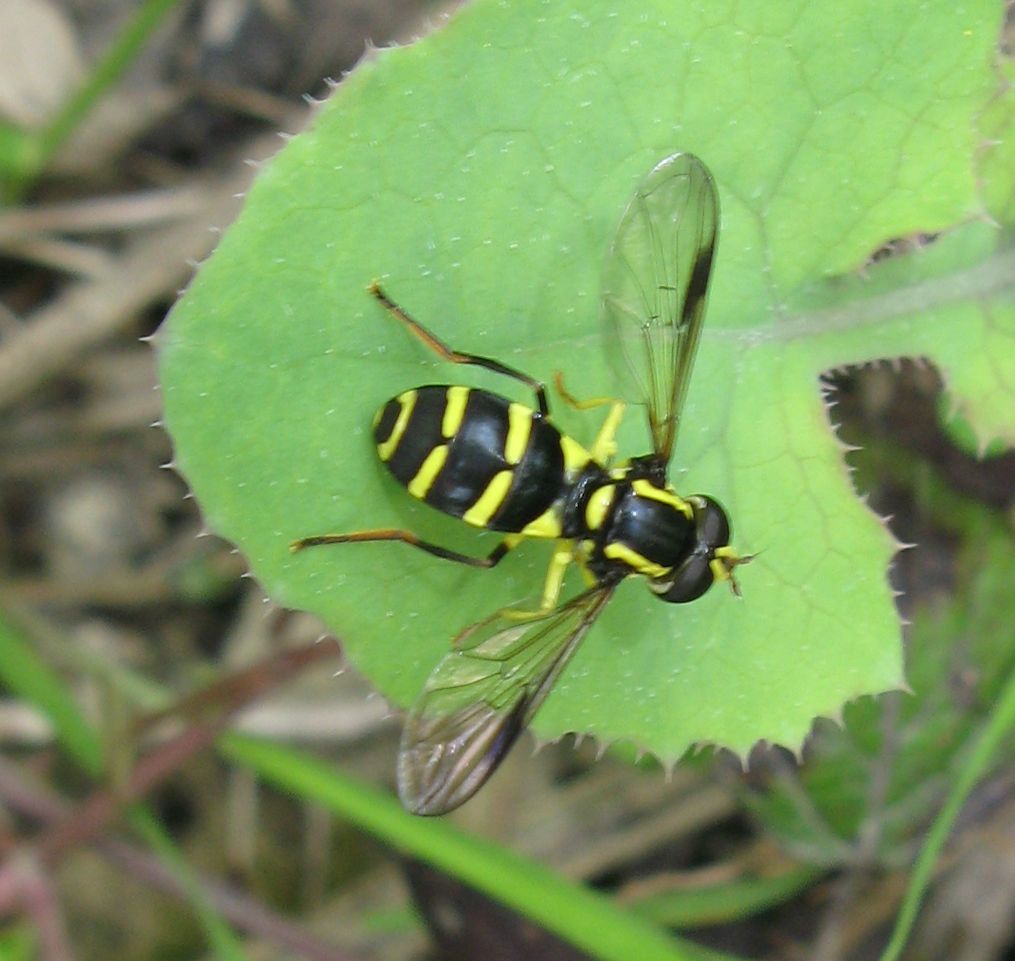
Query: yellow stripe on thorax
[[599, 505], [519, 429], [428, 472], [575, 456], [454, 410], [645, 489], [616, 551], [490, 500], [407, 402]]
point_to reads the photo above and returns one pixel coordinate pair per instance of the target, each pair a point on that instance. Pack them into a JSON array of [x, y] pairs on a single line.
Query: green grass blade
[[29, 677], [220, 936], [582, 917], [1001, 723], [723, 903], [36, 151]]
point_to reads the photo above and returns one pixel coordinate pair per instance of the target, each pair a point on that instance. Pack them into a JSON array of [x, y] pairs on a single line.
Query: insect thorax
[[633, 527]]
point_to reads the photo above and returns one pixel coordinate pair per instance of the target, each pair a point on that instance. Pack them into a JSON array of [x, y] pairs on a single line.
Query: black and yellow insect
[[504, 466]]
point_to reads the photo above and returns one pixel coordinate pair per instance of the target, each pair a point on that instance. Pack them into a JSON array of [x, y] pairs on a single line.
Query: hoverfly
[[504, 466]]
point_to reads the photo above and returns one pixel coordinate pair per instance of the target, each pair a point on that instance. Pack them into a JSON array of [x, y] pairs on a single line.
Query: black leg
[[445, 352], [406, 537]]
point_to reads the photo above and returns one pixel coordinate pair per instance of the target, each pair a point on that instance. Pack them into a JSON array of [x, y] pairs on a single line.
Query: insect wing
[[481, 696], [655, 282]]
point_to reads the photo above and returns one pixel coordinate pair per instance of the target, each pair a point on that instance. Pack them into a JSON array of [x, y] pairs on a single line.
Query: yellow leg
[[604, 447], [590, 579], [563, 555]]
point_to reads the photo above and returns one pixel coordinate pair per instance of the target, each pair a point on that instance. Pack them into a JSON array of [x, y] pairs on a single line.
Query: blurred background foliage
[[125, 131]]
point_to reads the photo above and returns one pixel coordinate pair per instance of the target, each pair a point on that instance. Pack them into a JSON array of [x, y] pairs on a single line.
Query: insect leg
[[563, 555], [572, 401], [455, 357], [603, 447], [413, 540]]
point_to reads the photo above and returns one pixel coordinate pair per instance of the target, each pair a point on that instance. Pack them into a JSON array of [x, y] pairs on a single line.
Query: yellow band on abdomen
[[428, 472], [387, 447], [489, 501]]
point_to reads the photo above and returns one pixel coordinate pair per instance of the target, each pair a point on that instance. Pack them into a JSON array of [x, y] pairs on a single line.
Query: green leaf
[[962, 435], [878, 779], [479, 173]]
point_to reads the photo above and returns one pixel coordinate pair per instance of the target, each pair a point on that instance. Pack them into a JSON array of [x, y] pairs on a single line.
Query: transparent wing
[[655, 281], [481, 696]]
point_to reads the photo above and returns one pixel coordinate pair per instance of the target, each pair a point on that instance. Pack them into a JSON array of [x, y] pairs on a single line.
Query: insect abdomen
[[472, 454]]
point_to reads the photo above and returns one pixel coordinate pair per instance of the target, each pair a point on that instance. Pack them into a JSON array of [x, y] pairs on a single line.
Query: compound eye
[[692, 579], [713, 527]]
